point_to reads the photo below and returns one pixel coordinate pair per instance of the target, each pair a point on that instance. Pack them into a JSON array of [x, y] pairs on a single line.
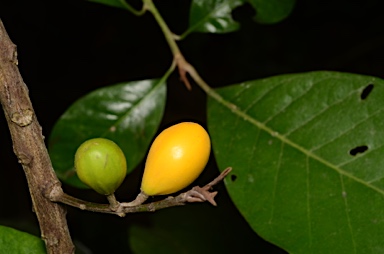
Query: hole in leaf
[[357, 150], [233, 178], [367, 90]]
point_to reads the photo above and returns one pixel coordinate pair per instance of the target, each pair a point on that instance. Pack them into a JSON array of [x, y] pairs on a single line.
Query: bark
[[29, 147]]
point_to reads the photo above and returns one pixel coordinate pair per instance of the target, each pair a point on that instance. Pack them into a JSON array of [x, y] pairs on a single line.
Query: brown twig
[[196, 194], [181, 65], [29, 147]]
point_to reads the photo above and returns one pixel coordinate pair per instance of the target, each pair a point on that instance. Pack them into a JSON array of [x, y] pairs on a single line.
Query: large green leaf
[[307, 157], [127, 113], [13, 241], [272, 11]]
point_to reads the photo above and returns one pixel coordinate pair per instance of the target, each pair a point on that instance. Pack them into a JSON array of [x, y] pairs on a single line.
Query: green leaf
[[307, 157], [114, 3], [122, 4], [13, 241], [215, 16], [272, 11], [127, 113], [212, 16]]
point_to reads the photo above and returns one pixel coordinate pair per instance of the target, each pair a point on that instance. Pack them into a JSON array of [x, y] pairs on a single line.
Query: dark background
[[69, 48]]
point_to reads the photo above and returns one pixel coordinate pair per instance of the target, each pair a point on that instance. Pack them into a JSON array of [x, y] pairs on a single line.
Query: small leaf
[[14, 241], [215, 16], [307, 157], [272, 11], [212, 16], [127, 113], [122, 4]]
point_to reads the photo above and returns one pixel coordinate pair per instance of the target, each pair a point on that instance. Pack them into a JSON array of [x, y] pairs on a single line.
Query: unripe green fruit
[[101, 164], [176, 158]]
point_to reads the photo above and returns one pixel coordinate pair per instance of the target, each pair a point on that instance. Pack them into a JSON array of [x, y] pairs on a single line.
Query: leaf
[[307, 157], [114, 3], [127, 113], [15, 241], [122, 4], [212, 16], [272, 11], [215, 16], [198, 228]]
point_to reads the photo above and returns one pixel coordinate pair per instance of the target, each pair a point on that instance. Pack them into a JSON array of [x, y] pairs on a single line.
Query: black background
[[69, 48]]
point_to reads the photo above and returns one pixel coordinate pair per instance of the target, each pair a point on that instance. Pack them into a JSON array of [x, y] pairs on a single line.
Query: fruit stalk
[[200, 195], [141, 198]]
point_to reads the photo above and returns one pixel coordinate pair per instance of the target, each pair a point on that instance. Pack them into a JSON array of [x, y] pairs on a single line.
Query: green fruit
[[101, 164]]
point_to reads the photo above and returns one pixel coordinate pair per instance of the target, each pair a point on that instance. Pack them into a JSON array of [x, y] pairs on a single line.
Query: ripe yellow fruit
[[101, 164], [176, 158]]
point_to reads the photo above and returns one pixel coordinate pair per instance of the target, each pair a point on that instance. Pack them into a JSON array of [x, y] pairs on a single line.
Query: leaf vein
[[314, 116], [345, 132], [134, 106], [240, 92], [276, 179], [288, 105], [360, 157], [262, 96], [207, 17], [308, 204], [289, 142], [344, 195]]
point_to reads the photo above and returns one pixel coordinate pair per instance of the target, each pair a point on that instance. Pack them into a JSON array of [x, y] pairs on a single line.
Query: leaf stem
[[183, 65], [133, 10], [169, 36]]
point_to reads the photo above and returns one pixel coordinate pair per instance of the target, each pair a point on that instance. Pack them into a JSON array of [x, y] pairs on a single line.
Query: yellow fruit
[[101, 164], [176, 158]]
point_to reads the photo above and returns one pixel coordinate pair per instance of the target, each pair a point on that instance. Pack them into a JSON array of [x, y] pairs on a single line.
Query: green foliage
[[127, 113], [114, 3], [215, 16], [13, 241], [272, 11], [306, 151]]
